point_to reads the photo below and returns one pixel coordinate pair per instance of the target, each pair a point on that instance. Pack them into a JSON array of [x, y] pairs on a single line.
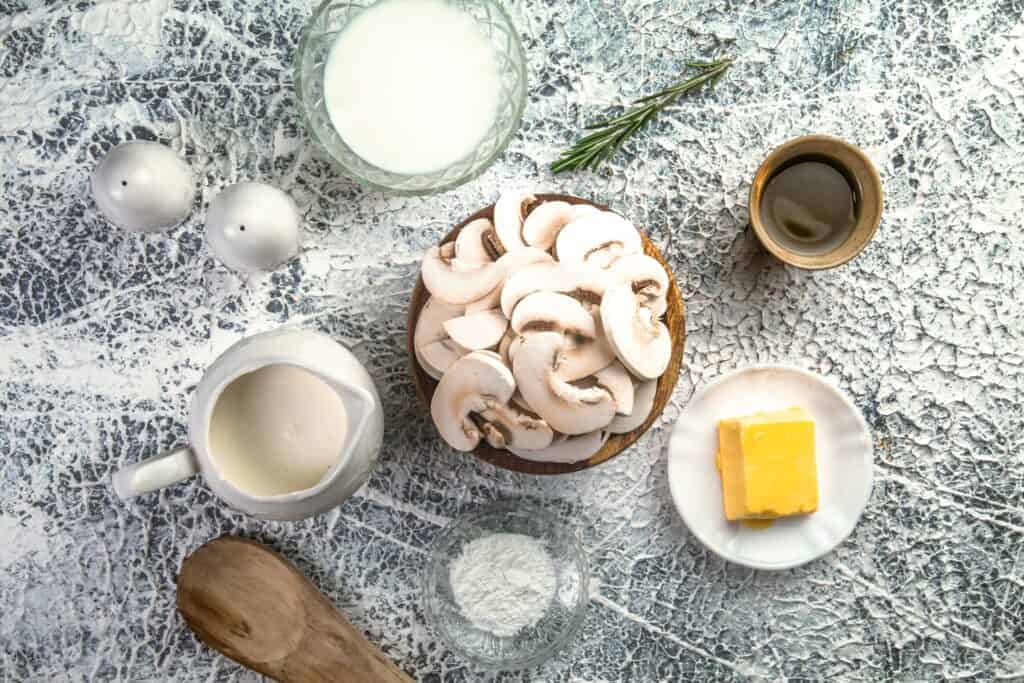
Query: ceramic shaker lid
[[253, 226], [143, 186]]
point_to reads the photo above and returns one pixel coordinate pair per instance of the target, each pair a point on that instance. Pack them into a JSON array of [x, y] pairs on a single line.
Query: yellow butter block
[[767, 465]]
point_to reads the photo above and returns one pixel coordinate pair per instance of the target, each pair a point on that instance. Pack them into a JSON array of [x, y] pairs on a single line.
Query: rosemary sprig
[[593, 149]]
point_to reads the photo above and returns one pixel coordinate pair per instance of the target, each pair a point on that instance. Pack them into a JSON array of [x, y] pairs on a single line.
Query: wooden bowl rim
[[617, 443]]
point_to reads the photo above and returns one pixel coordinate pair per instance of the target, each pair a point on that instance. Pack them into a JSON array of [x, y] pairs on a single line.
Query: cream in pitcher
[[283, 425]]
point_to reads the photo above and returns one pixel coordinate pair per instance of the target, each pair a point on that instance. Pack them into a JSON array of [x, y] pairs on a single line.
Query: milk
[[277, 430], [412, 86]]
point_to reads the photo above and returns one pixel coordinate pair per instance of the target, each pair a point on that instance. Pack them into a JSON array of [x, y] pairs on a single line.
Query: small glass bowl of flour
[[506, 587]]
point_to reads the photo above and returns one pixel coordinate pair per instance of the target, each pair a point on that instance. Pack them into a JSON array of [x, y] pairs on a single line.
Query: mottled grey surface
[[104, 334]]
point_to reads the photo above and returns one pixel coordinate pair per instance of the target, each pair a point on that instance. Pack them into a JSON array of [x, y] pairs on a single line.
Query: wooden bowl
[[675, 319]]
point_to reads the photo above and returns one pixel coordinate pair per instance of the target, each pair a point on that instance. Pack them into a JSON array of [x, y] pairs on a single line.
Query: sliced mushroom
[[598, 239], [503, 346], [566, 449], [544, 223], [509, 263], [434, 350], [619, 384], [435, 358], [509, 212], [585, 350], [473, 384], [478, 330], [518, 400], [639, 339], [505, 426], [578, 281], [580, 210], [567, 408], [643, 403], [640, 271], [456, 282], [469, 245]]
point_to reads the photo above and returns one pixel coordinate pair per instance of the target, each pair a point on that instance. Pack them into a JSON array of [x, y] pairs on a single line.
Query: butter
[[767, 465]]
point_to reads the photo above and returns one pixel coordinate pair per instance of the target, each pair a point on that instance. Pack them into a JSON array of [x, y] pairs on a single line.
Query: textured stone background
[[105, 334]]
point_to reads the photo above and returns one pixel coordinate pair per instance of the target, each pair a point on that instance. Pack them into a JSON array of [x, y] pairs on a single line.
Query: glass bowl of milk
[[412, 96]]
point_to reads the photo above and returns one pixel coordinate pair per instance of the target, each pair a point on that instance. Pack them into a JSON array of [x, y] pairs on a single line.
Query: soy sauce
[[809, 206]]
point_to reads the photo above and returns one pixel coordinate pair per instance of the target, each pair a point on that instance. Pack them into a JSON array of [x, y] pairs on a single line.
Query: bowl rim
[[520, 66], [505, 508], [616, 443]]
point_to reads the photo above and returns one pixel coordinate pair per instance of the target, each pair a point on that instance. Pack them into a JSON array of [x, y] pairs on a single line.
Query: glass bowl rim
[[519, 107], [575, 549]]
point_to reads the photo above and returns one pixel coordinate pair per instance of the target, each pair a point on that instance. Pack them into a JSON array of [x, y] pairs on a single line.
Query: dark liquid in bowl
[[809, 206]]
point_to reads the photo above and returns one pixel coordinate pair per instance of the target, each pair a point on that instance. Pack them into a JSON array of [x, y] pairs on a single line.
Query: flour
[[503, 583]]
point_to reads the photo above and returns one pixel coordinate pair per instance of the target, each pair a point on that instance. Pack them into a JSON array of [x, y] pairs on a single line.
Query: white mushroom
[[546, 311], [451, 280], [566, 449], [469, 245], [639, 339], [478, 330], [434, 350], [510, 263], [473, 384], [579, 281], [640, 271], [544, 223], [506, 426], [643, 403], [597, 239], [503, 346], [435, 358], [509, 212], [585, 350], [619, 384], [567, 408], [580, 210]]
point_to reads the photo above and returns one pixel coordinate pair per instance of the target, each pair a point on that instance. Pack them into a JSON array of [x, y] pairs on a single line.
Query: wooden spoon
[[252, 605]]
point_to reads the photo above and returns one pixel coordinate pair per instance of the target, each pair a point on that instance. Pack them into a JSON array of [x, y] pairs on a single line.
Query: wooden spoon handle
[[250, 604]]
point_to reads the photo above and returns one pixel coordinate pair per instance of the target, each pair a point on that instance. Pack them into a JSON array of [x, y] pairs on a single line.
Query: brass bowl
[[675, 320], [860, 173]]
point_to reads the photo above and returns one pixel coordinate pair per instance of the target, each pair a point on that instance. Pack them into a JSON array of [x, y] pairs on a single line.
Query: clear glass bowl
[[331, 18], [534, 644]]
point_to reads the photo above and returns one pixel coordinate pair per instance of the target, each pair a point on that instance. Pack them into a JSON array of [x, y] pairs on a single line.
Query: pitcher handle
[[155, 473]]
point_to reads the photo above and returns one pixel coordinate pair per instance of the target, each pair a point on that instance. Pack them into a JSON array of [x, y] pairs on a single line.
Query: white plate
[[843, 450]]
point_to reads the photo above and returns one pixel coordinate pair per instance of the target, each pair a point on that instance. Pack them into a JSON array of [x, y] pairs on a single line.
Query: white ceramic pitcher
[[311, 351]]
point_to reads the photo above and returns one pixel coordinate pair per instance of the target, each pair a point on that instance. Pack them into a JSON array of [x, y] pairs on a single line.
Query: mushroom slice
[[580, 210], [567, 408], [598, 239], [578, 281], [452, 281], [509, 212], [505, 426], [434, 351], [469, 245], [619, 384], [566, 449], [585, 352], [436, 357], [553, 312], [643, 403], [639, 339], [510, 263], [473, 384], [544, 223], [519, 401], [476, 331], [640, 271], [646, 276]]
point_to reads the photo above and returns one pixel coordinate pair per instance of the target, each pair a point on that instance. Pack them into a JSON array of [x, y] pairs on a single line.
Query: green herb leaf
[[596, 147]]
